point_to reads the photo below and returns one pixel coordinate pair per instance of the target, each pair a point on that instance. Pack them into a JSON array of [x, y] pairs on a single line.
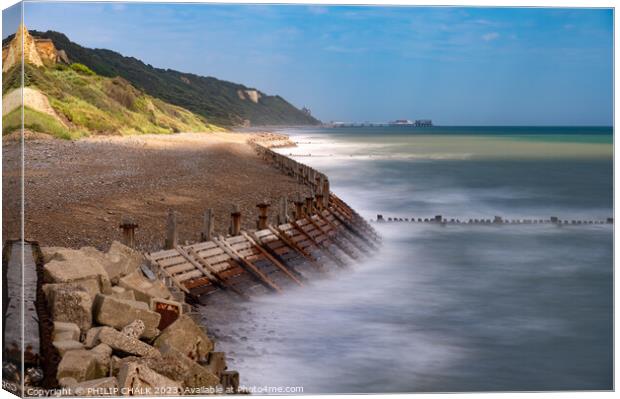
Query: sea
[[454, 308]]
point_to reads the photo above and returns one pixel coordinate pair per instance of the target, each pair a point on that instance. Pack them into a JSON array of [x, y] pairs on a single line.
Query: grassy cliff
[[86, 103], [221, 102]]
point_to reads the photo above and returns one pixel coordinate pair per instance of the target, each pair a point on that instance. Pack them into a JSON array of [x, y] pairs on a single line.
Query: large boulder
[[143, 288], [125, 344], [187, 337], [70, 304], [139, 379], [118, 313], [71, 266], [79, 364]]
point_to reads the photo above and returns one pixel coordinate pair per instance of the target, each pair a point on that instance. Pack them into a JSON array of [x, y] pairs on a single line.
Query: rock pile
[[107, 329]]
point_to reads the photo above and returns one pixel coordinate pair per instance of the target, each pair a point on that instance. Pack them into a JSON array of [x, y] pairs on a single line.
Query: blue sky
[[469, 66]]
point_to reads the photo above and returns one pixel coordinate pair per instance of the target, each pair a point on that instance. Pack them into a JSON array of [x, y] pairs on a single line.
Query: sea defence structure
[[497, 220], [121, 322], [313, 233]]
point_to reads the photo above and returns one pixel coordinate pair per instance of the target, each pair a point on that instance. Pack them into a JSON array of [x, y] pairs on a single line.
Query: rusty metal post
[[299, 206], [128, 228], [263, 209], [207, 226], [235, 221], [172, 234]]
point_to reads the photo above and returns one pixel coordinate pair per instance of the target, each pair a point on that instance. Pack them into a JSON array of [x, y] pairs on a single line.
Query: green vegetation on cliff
[[223, 103], [85, 103]]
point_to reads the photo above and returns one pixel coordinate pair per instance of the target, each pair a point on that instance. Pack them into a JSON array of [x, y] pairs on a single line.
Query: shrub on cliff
[[81, 68]]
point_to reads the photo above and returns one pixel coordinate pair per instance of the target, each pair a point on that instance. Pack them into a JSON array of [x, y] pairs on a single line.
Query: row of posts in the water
[[439, 219]]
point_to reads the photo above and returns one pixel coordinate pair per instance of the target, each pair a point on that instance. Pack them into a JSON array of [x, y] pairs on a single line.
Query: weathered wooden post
[[171, 230], [235, 221], [325, 190], [128, 227], [207, 225], [319, 200], [299, 206], [310, 205], [283, 211], [263, 208]]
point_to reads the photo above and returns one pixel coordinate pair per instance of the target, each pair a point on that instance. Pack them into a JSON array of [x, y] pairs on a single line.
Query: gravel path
[[76, 191]]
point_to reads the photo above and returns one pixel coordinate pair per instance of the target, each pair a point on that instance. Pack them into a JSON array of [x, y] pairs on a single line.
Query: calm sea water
[[455, 308]]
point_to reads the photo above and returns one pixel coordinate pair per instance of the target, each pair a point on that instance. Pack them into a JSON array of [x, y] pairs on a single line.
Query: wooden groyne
[[314, 233], [496, 220], [272, 257]]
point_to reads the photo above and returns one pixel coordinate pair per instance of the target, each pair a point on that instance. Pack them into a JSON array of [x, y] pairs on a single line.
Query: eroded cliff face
[[251, 95], [37, 51]]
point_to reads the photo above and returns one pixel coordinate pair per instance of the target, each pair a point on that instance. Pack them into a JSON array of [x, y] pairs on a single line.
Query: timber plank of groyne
[[224, 270], [331, 234], [356, 239], [353, 217], [310, 232], [247, 264], [341, 220], [279, 234], [273, 260]]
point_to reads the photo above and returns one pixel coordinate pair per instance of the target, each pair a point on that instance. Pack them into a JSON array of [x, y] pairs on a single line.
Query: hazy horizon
[[458, 66]]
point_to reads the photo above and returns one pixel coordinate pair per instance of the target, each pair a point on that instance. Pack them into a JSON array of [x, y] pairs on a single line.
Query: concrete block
[[141, 380], [216, 363], [122, 343], [66, 331], [122, 293], [194, 375], [118, 313], [102, 353], [143, 288], [63, 346], [187, 337], [70, 304], [70, 266], [92, 337], [90, 285], [78, 364], [135, 329]]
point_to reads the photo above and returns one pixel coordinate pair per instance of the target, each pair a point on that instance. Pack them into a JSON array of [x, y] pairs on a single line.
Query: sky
[[457, 66]]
